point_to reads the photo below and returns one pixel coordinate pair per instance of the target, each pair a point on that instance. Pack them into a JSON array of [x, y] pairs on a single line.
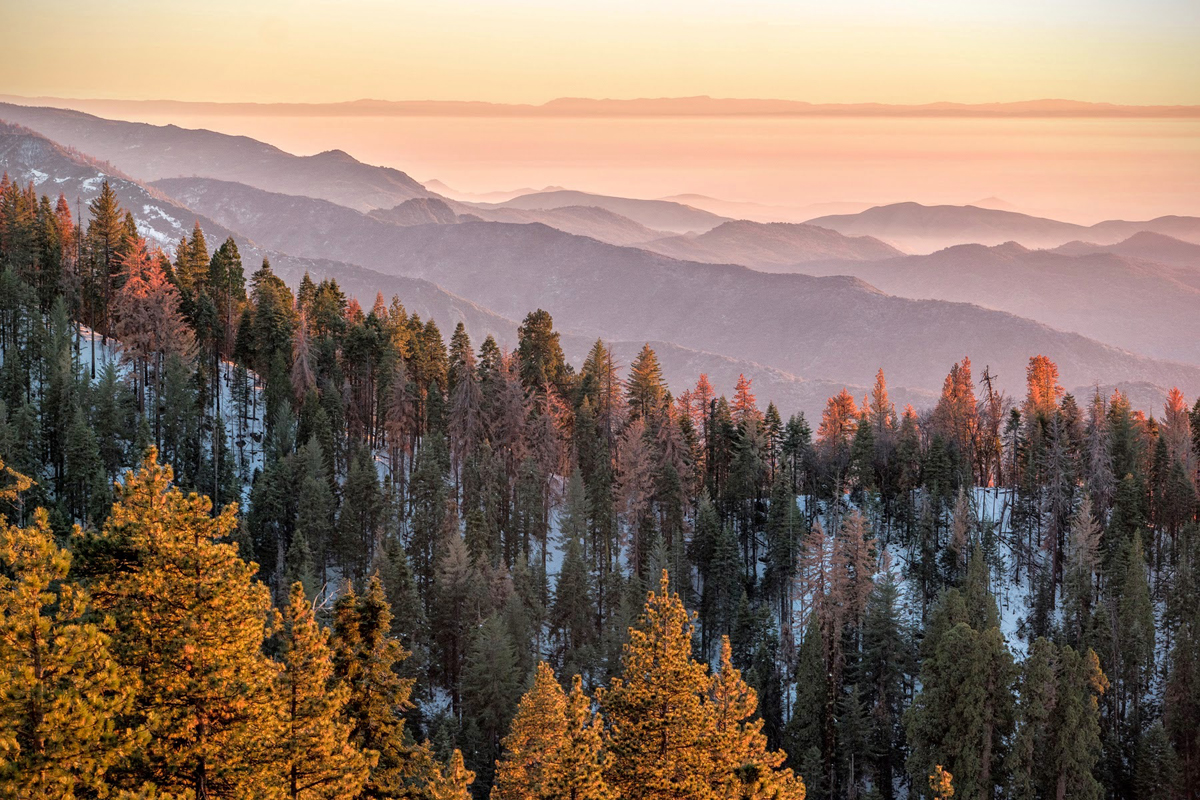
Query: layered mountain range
[[803, 309]]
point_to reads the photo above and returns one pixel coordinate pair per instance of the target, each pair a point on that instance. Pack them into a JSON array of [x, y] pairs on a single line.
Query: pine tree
[[318, 760], [646, 388], [105, 239], [579, 765], [572, 616], [1073, 747], [887, 660], [743, 765], [358, 520], [531, 748], [539, 353], [659, 721], [491, 681], [61, 691], [964, 711], [365, 660], [190, 622]]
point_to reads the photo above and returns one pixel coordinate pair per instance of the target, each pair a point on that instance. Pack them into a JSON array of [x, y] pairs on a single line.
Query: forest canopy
[[263, 542]]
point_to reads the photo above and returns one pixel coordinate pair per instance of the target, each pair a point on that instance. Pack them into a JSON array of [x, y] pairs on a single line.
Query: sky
[[529, 51]]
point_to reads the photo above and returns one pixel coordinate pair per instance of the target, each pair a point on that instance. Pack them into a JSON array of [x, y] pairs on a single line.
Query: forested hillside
[[265, 543]]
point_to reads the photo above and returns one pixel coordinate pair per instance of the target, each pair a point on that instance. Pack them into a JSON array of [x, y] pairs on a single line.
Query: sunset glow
[[535, 50]]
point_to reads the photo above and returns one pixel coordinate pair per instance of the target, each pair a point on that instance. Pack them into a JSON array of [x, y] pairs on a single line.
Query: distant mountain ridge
[[771, 246], [1146, 245], [660, 215], [918, 228], [150, 152], [590, 221]]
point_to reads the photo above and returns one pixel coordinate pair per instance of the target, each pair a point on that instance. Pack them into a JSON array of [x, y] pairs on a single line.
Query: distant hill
[[657, 214], [916, 228], [1120, 300], [441, 188], [579, 220], [836, 329], [771, 246], [1113, 231], [1145, 245], [763, 212], [592, 221], [418, 211], [150, 152]]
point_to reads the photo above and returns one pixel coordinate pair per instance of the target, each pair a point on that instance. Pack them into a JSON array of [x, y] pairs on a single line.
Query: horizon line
[[688, 106]]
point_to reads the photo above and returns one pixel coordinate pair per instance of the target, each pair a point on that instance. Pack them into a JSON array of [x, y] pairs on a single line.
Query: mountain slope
[[26, 156], [657, 214], [1115, 230], [418, 211], [149, 152], [598, 223], [30, 157], [1122, 301], [771, 246], [838, 329]]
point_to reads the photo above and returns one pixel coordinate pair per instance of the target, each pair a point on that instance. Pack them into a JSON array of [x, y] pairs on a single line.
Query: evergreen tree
[[657, 712], [744, 766], [317, 760], [189, 621], [964, 711], [61, 690]]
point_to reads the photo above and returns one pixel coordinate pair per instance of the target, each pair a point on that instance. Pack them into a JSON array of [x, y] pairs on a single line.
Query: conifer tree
[[491, 681], [646, 389], [61, 690], [365, 660], [744, 767], [318, 760], [964, 711], [887, 659], [554, 748], [657, 712], [190, 622]]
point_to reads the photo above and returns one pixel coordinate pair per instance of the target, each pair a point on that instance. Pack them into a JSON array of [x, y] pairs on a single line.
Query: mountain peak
[[337, 155]]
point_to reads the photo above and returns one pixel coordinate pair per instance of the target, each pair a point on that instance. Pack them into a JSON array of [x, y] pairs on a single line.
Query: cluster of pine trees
[[1000, 589]]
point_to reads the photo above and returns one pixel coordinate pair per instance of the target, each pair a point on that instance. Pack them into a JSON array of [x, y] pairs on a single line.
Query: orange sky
[[534, 50]]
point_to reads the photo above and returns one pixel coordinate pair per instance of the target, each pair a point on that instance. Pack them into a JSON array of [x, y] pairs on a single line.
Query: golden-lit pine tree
[[554, 747], [449, 782], [190, 621], [318, 759], [659, 719], [365, 660], [580, 769], [533, 741], [60, 689], [744, 767]]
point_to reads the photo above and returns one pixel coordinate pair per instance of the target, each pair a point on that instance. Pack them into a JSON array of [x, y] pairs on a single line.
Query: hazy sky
[[903, 51]]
